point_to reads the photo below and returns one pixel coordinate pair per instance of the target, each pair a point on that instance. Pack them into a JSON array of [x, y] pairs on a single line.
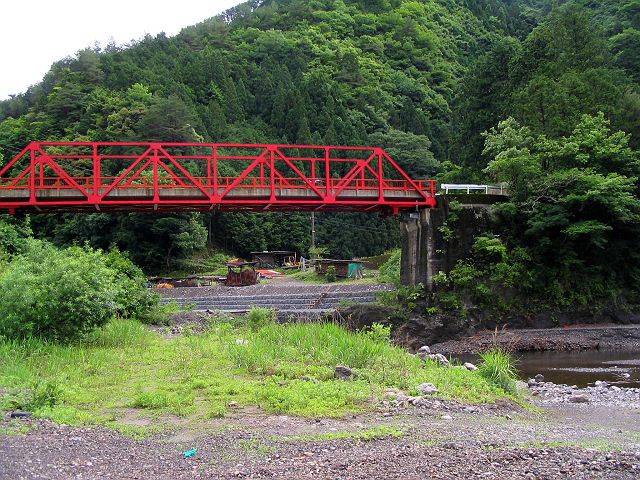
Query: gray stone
[[446, 417], [439, 358], [470, 366], [345, 373], [539, 378], [532, 382], [423, 352], [601, 384], [579, 398], [427, 388]]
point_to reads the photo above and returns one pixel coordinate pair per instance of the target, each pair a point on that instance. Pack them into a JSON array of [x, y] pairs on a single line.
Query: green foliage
[[390, 270], [331, 274], [13, 234], [379, 333], [574, 211], [65, 294], [403, 296], [57, 294], [133, 299], [498, 366], [318, 252], [257, 317]]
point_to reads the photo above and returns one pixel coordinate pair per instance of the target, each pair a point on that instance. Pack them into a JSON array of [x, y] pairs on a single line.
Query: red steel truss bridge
[[117, 176]]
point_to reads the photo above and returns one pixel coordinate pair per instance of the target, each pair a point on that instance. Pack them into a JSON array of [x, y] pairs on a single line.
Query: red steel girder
[[156, 176]]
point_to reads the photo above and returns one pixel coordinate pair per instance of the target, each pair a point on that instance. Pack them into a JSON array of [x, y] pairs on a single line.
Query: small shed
[[344, 268], [241, 274], [274, 259]]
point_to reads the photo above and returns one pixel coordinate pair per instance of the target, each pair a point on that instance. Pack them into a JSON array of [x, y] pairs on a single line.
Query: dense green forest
[[542, 94]]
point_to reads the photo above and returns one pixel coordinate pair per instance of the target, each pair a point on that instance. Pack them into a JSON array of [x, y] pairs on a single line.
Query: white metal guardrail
[[474, 188]]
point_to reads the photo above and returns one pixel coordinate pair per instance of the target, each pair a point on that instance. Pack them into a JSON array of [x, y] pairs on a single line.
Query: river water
[[582, 368]]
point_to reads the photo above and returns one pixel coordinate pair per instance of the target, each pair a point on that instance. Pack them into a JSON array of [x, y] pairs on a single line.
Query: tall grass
[[499, 367], [285, 368]]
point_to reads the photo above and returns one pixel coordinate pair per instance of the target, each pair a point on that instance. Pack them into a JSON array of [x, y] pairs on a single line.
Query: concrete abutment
[[433, 240]]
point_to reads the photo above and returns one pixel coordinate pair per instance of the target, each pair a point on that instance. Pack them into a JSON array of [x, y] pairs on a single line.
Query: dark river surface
[[583, 368]]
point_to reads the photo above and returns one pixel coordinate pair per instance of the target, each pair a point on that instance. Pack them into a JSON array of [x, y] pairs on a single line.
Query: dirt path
[[442, 441]]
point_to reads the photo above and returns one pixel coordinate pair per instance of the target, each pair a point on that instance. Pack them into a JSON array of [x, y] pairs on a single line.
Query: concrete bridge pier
[[434, 239], [419, 236]]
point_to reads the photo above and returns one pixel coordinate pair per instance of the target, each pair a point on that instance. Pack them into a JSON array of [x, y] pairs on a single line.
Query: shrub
[[390, 270], [64, 294], [133, 299], [379, 333], [498, 366], [331, 274], [257, 317]]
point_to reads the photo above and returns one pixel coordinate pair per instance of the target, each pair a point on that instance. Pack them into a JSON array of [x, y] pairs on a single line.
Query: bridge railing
[[166, 181], [474, 188]]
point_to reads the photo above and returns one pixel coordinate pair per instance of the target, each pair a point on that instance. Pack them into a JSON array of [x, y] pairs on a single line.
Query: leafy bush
[[498, 366], [331, 274], [379, 333], [133, 299], [258, 317], [390, 270], [64, 294]]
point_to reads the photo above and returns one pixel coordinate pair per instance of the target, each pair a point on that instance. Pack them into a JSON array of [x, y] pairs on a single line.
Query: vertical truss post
[[272, 168], [327, 171], [32, 177], [215, 196], [97, 180], [380, 176], [156, 188], [41, 174], [262, 173], [209, 161]]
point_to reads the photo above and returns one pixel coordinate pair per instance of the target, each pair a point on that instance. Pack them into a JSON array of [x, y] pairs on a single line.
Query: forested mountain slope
[[423, 79]]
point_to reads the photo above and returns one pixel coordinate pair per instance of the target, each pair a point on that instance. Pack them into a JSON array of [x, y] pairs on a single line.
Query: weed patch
[[283, 368], [498, 366], [368, 435]]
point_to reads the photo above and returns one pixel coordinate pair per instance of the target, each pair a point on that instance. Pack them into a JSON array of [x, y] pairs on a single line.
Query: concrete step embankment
[[316, 300]]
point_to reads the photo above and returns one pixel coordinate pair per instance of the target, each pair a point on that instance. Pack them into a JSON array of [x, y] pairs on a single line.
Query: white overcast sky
[[36, 33]]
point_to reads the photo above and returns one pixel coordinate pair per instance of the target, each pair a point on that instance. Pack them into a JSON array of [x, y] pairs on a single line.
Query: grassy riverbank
[[234, 364]]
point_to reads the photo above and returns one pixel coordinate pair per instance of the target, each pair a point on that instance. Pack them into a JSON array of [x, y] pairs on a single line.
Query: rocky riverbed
[[602, 394], [406, 438]]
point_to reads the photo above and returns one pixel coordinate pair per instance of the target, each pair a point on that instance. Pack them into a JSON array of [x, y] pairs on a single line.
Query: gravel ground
[[603, 395], [441, 443]]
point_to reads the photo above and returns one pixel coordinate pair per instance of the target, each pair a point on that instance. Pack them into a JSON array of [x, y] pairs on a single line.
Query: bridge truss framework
[[119, 176]]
